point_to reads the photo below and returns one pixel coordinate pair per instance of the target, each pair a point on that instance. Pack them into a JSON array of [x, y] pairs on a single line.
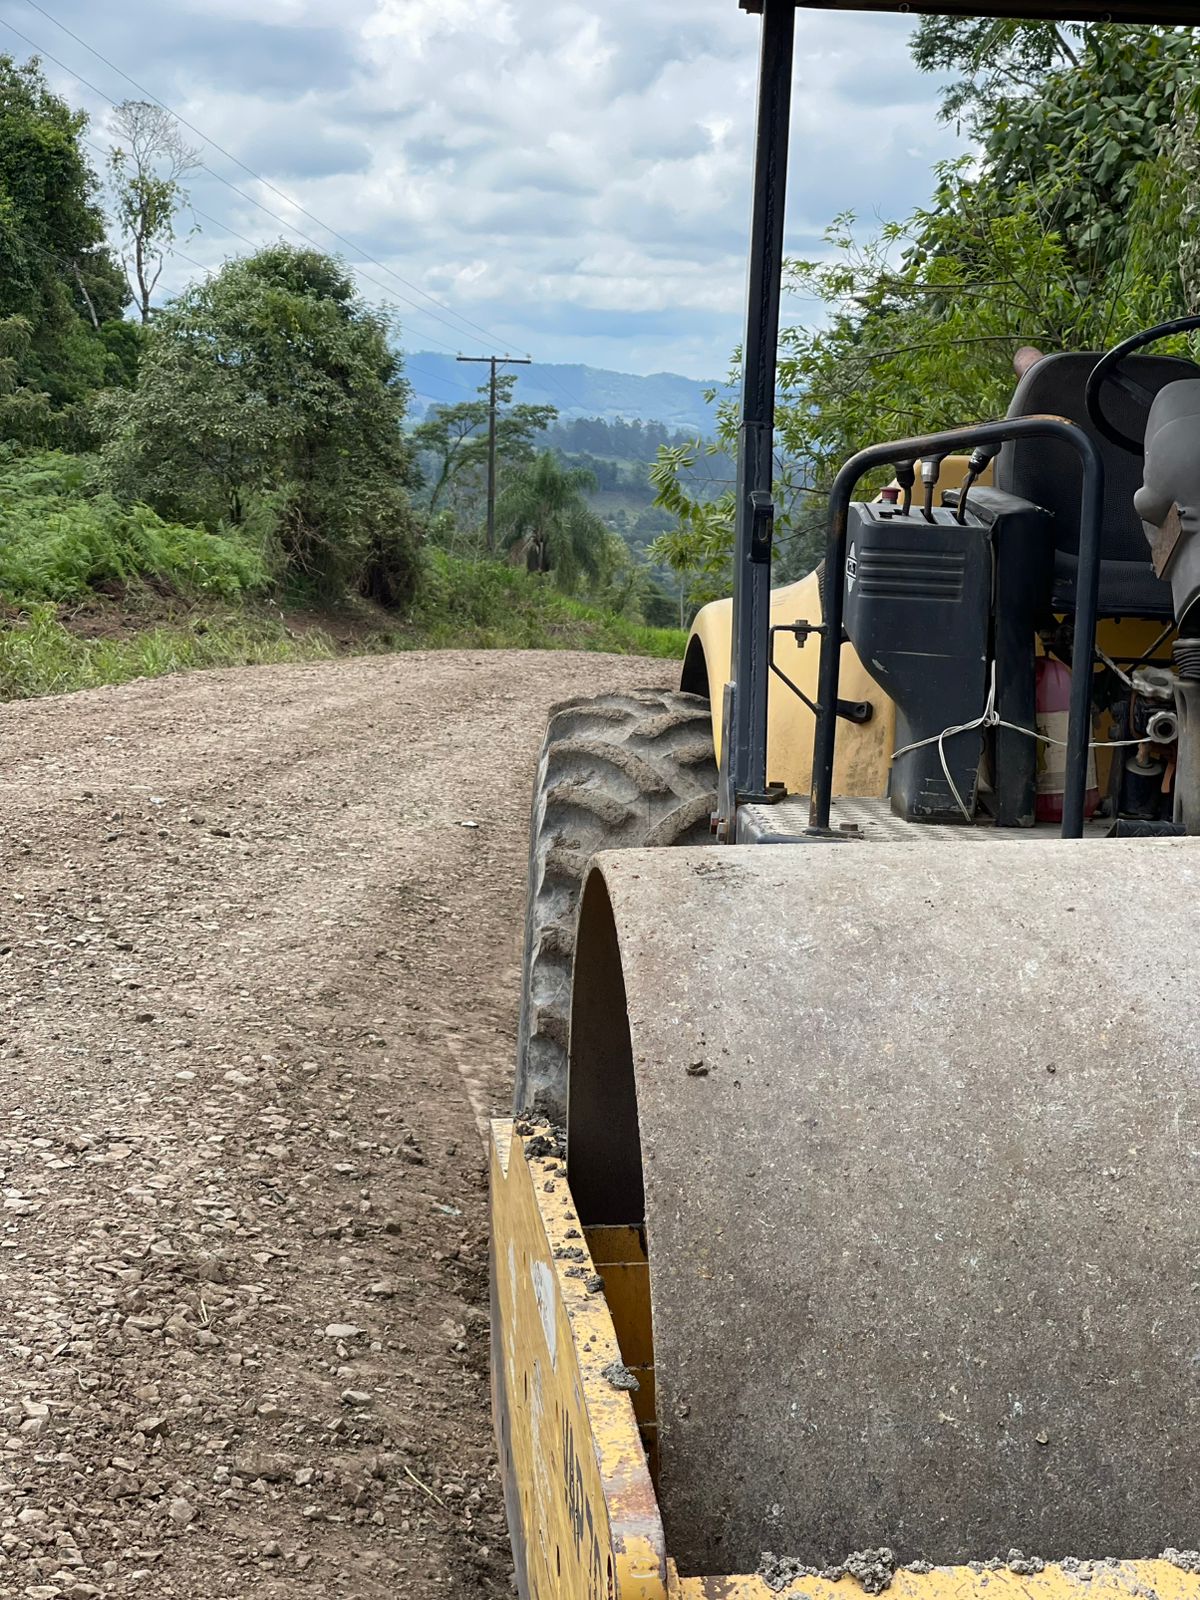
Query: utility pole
[[512, 361]]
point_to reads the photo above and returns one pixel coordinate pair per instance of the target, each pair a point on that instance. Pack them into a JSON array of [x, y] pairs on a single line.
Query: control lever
[[931, 471], [981, 459]]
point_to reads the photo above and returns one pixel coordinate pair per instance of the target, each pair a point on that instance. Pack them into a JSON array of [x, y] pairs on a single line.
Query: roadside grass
[[489, 605], [93, 592], [46, 649], [39, 655]]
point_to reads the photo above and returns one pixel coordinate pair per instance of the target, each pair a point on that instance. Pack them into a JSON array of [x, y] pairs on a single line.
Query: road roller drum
[[913, 1135]]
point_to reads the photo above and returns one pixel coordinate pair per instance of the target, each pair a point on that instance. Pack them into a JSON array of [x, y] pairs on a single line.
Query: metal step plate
[[874, 819]]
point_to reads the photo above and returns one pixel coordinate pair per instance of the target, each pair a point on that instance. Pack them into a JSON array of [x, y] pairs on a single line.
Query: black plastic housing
[[1023, 546], [918, 612]]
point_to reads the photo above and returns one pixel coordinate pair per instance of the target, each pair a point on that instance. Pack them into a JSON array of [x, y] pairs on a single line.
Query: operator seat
[[1047, 473], [1033, 583]]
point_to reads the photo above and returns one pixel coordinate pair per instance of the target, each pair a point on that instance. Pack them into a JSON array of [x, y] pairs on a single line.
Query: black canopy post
[[744, 763]]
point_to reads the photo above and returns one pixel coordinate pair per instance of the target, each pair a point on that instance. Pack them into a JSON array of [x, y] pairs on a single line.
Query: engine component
[[1142, 783], [917, 612]]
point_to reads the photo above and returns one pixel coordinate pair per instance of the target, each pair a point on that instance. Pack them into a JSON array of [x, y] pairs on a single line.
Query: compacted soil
[[259, 957]]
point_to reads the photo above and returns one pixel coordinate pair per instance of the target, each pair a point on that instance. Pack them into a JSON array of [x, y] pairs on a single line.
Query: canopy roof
[[1149, 11]]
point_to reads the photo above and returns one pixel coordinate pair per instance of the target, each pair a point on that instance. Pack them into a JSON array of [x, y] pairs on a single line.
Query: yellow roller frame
[[576, 1452], [582, 1513]]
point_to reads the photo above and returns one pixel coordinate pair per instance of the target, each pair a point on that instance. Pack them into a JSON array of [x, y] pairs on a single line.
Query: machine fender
[[863, 750]]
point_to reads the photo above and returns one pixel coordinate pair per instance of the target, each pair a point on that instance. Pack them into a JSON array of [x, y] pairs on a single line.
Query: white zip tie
[[991, 718]]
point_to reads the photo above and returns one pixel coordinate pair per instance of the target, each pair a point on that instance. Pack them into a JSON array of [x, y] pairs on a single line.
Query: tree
[[1083, 138], [546, 523], [454, 438], [148, 181], [55, 271], [1069, 232], [996, 58], [25, 416], [271, 398]]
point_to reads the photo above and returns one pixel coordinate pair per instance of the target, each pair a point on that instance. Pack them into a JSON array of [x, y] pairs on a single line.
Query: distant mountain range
[[577, 391]]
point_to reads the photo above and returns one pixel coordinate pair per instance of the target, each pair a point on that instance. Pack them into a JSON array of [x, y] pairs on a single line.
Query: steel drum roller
[[914, 1132]]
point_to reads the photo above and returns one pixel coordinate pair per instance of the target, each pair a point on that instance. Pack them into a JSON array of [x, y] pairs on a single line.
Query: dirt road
[[259, 953]]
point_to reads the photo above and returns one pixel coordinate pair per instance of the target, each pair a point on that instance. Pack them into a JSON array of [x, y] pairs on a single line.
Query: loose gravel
[[259, 957]]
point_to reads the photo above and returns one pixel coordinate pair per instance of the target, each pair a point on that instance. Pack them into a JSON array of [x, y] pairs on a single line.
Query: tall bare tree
[[148, 169]]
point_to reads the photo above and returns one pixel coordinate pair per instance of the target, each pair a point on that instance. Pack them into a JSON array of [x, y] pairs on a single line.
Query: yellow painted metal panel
[[864, 750], [615, 1243], [582, 1512], [627, 1290]]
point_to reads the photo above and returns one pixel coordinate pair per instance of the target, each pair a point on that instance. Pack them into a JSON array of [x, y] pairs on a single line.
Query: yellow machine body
[[578, 1455], [864, 750]]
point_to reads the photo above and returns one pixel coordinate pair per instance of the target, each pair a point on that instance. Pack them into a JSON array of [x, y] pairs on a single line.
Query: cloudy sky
[[570, 176]]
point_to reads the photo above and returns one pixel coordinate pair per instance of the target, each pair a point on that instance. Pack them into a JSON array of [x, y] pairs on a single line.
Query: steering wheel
[[1107, 370]]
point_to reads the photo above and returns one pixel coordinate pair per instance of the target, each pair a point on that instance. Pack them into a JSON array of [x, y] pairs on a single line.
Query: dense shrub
[[59, 541], [272, 385]]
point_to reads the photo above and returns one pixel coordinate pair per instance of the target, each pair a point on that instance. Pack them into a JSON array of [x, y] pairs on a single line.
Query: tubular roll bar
[[1087, 590]]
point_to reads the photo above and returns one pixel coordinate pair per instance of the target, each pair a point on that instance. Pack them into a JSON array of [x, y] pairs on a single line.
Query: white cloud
[[574, 174]]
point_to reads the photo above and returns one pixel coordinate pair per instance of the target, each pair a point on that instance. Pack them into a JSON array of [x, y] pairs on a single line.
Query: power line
[[217, 222], [432, 377], [564, 391], [283, 222], [250, 199], [73, 266], [437, 377], [488, 335]]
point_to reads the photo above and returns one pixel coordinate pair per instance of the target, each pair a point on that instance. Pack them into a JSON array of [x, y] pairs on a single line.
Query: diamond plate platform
[[874, 820]]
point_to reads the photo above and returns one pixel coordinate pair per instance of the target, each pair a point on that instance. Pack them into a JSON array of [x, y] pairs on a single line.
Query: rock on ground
[[259, 982]]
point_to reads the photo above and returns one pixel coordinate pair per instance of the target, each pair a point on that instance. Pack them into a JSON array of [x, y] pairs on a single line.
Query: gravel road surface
[[259, 959]]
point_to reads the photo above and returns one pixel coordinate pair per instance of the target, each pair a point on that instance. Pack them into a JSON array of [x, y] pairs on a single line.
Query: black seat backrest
[[1048, 473]]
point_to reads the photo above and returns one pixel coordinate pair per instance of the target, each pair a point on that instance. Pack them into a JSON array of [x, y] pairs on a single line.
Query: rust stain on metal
[[1164, 540]]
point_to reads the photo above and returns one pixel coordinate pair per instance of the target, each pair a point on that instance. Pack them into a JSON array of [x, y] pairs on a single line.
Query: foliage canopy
[[56, 273], [271, 398], [1072, 227]]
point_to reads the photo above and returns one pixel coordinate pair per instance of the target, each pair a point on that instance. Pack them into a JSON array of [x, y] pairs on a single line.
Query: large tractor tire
[[630, 768]]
